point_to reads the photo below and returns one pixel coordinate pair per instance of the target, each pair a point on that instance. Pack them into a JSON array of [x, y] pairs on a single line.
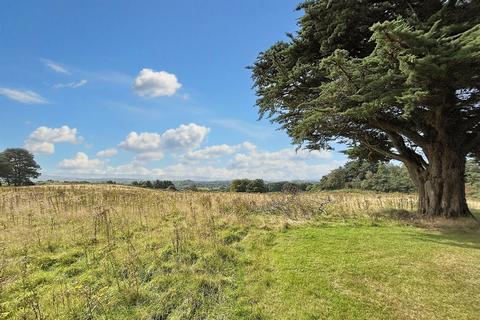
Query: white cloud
[[39, 147], [62, 134], [284, 164], [249, 146], [141, 142], [43, 139], [150, 156], [82, 164], [107, 153], [212, 152], [271, 171], [285, 154], [54, 66], [72, 85], [186, 136], [150, 83], [133, 169], [23, 96], [217, 162], [183, 138], [246, 161]]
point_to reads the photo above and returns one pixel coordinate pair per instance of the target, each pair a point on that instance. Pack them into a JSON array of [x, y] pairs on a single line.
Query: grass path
[[363, 272]]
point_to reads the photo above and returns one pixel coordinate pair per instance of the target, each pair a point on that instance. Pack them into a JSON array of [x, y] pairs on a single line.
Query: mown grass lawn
[[360, 271]]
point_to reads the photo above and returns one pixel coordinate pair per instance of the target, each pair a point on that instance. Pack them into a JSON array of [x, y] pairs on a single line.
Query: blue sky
[[144, 89]]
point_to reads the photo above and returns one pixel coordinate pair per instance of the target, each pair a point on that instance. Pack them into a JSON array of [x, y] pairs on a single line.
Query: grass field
[[113, 252]]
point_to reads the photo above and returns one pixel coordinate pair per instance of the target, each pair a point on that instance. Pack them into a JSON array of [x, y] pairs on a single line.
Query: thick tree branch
[[410, 155], [410, 134], [383, 152]]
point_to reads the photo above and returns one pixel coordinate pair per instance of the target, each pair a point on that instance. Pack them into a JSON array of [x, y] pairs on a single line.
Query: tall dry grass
[[76, 212]]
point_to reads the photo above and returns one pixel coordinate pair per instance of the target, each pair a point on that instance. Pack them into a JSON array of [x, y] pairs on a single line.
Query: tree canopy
[[157, 184], [246, 185], [367, 176], [391, 80], [5, 168], [19, 167]]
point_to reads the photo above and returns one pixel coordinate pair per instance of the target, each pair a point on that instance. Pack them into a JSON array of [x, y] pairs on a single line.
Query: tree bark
[[441, 185]]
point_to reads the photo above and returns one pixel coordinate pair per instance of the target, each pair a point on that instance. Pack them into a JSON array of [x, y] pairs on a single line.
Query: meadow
[[118, 252]]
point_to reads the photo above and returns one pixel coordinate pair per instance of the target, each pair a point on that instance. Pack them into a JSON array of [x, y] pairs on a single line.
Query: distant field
[[114, 252]]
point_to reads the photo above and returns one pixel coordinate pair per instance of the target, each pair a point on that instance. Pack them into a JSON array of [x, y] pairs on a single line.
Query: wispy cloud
[[107, 76], [102, 75], [72, 85], [23, 96], [107, 153], [246, 128], [55, 66]]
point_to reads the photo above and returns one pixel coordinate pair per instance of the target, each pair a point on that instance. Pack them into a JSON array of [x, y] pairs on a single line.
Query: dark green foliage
[[246, 185], [290, 188], [335, 180], [239, 185], [391, 80], [279, 186], [19, 167], [257, 185], [329, 82], [367, 176], [171, 188], [5, 168], [472, 174], [348, 176], [275, 186], [157, 184], [388, 178], [148, 184]]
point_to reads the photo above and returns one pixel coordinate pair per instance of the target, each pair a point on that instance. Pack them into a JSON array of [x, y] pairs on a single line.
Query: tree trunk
[[441, 186]]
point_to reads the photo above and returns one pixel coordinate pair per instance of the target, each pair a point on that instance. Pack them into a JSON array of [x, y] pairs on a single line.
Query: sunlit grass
[[351, 271], [113, 252]]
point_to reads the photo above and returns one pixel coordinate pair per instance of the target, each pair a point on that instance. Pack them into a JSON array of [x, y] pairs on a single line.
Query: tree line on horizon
[[155, 184], [18, 167], [355, 174], [260, 186]]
